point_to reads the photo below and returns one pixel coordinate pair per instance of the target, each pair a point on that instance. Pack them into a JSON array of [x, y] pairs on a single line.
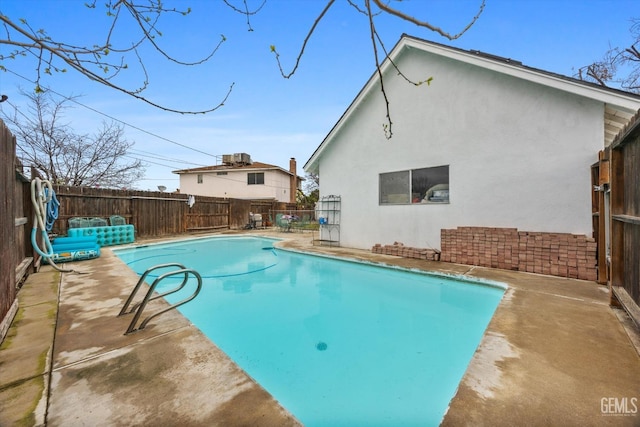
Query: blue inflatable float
[[66, 249], [106, 236]]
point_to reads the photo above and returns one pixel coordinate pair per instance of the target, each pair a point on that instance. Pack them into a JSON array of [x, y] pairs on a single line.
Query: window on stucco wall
[[255, 178], [425, 185], [199, 178]]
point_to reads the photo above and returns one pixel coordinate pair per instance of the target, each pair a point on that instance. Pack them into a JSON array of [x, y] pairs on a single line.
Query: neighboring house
[[241, 178], [488, 143]]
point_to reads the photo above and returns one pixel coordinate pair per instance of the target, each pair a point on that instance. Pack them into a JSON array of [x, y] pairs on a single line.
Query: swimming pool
[[335, 342]]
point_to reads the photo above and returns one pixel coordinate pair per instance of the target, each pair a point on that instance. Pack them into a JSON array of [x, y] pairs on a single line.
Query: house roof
[[620, 106], [254, 166]]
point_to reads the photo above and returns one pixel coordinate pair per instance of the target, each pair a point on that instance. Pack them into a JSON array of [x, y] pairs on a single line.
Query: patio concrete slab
[[24, 403], [555, 353], [26, 351]]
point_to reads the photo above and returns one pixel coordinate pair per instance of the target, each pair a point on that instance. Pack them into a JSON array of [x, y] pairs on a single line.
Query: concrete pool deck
[[555, 353]]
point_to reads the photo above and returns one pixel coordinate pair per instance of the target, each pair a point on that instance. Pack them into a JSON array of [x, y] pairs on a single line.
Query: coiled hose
[[53, 206], [45, 212]]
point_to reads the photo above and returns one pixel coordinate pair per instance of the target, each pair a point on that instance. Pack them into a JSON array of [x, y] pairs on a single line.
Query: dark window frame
[[424, 186], [255, 178]]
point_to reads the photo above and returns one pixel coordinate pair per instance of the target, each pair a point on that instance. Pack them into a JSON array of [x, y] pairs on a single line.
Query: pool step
[[178, 269]]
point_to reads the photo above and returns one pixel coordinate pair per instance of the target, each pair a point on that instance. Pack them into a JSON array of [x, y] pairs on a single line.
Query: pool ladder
[[139, 307]]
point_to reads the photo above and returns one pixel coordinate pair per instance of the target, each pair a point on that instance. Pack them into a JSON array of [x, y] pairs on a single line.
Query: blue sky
[[270, 117]]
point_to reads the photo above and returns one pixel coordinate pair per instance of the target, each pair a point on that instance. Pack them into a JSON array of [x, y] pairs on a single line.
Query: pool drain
[[321, 346]]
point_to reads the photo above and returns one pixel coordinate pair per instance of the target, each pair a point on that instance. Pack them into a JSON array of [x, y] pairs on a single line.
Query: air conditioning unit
[[227, 159], [242, 158]]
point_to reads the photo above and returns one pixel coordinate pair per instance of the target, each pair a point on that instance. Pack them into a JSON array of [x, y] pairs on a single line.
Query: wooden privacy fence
[[151, 213], [155, 214], [622, 162], [16, 254], [616, 217]]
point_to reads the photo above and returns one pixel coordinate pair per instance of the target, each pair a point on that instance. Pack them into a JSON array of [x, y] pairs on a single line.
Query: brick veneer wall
[[556, 254]]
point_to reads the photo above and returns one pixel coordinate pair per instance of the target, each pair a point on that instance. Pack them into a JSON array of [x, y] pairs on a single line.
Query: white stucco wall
[[519, 155], [234, 185]]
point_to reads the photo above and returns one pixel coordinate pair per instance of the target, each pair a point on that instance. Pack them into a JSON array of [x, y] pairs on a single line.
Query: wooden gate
[[624, 158]]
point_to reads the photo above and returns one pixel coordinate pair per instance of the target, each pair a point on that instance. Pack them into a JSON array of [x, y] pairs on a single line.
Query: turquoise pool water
[[336, 343]]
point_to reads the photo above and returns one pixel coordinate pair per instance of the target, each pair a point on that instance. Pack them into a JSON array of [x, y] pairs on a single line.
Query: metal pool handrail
[[139, 307]]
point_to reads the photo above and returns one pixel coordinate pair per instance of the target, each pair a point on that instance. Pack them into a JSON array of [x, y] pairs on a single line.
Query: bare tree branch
[[375, 41], [96, 62], [304, 43], [64, 157], [388, 126], [426, 24], [246, 10], [619, 67]]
